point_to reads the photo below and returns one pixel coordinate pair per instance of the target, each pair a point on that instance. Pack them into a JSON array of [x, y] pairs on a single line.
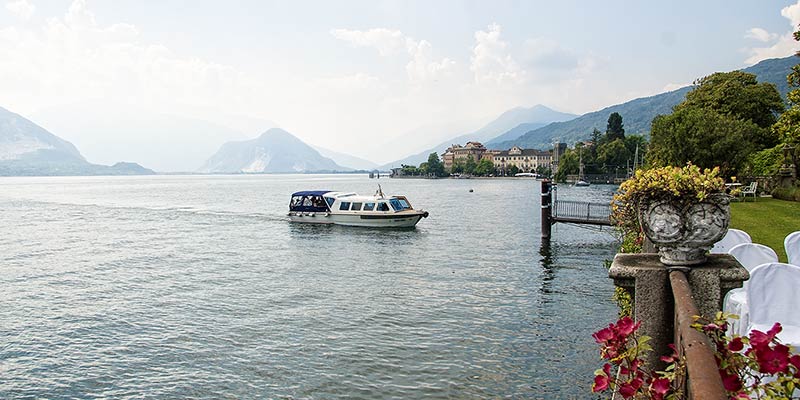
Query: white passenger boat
[[329, 207]]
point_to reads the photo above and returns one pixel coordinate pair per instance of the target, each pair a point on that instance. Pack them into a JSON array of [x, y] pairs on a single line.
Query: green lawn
[[767, 220]]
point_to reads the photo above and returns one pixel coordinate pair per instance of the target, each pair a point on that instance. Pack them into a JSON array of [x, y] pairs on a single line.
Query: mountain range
[[275, 151], [637, 114], [501, 125], [28, 149]]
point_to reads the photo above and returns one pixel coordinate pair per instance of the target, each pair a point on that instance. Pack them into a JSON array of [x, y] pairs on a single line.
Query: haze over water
[[198, 286]]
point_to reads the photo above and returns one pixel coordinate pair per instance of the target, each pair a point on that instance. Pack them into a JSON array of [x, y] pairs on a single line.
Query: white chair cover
[[732, 238], [771, 296], [792, 246], [750, 255]]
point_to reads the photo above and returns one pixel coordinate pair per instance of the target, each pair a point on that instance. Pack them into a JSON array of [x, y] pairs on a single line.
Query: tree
[[469, 166], [435, 167], [701, 136], [724, 119], [484, 168], [614, 154], [457, 168], [787, 128], [738, 95], [512, 170], [567, 165], [614, 129]]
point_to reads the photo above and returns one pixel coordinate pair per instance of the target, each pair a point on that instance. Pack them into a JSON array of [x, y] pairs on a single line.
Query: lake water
[[199, 287]]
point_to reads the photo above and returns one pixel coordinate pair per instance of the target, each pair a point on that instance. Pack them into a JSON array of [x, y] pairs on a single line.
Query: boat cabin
[[310, 201]]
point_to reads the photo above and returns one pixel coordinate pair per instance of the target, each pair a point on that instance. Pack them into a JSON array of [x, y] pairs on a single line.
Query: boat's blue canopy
[[311, 193]]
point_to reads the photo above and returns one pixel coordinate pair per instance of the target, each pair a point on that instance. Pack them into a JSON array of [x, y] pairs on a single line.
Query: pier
[[570, 211]]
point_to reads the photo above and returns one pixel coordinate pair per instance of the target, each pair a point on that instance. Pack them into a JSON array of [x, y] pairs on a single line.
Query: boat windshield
[[399, 204]]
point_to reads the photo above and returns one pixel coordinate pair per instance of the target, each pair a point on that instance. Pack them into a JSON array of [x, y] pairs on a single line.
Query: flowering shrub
[[686, 185], [767, 369], [625, 372]]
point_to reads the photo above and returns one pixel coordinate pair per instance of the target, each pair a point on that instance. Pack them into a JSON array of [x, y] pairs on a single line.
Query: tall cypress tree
[[614, 129]]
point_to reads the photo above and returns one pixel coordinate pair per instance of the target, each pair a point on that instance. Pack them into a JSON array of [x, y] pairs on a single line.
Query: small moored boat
[[329, 207]]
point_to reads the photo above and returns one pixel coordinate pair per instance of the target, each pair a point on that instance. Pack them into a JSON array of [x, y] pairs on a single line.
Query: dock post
[[547, 202]]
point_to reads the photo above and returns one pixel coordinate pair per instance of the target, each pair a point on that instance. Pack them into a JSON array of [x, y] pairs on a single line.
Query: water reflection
[[546, 262]]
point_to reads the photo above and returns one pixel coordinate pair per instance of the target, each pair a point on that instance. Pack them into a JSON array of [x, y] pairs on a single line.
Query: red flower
[[603, 335], [759, 339], [772, 361], [671, 358], [660, 386], [629, 389], [795, 361], [601, 380], [731, 382], [736, 344], [625, 327], [600, 383]]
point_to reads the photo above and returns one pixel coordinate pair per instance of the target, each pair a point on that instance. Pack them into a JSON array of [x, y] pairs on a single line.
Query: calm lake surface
[[199, 287]]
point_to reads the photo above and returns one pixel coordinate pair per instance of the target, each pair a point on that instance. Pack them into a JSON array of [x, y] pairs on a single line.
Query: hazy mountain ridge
[[346, 160], [275, 151], [499, 126], [638, 114], [27, 149]]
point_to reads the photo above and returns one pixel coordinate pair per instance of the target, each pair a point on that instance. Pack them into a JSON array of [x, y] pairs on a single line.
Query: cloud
[[75, 55], [761, 35], [21, 9], [422, 66], [782, 44], [491, 59], [386, 41]]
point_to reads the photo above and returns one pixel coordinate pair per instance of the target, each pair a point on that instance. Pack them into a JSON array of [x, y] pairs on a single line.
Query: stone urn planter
[[685, 232]]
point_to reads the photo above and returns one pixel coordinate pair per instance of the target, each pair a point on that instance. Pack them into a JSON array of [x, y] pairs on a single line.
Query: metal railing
[[582, 212]]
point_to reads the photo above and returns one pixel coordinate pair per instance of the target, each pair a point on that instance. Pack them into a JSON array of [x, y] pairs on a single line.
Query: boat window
[[404, 203], [356, 207], [397, 205], [344, 206], [307, 201], [296, 201], [330, 201], [383, 206], [369, 206]]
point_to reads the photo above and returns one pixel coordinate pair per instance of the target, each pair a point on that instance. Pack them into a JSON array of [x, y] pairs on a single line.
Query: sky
[[354, 76]]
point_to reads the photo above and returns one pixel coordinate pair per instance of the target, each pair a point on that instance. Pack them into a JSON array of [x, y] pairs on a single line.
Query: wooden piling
[[547, 202]]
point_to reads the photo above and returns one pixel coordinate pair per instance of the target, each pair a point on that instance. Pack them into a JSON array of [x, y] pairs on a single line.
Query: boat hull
[[394, 220]]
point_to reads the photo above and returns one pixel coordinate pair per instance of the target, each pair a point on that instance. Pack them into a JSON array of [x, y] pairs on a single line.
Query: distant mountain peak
[[28, 149], [275, 151]]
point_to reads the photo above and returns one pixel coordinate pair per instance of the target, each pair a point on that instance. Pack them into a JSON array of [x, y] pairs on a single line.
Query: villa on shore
[[525, 160]]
